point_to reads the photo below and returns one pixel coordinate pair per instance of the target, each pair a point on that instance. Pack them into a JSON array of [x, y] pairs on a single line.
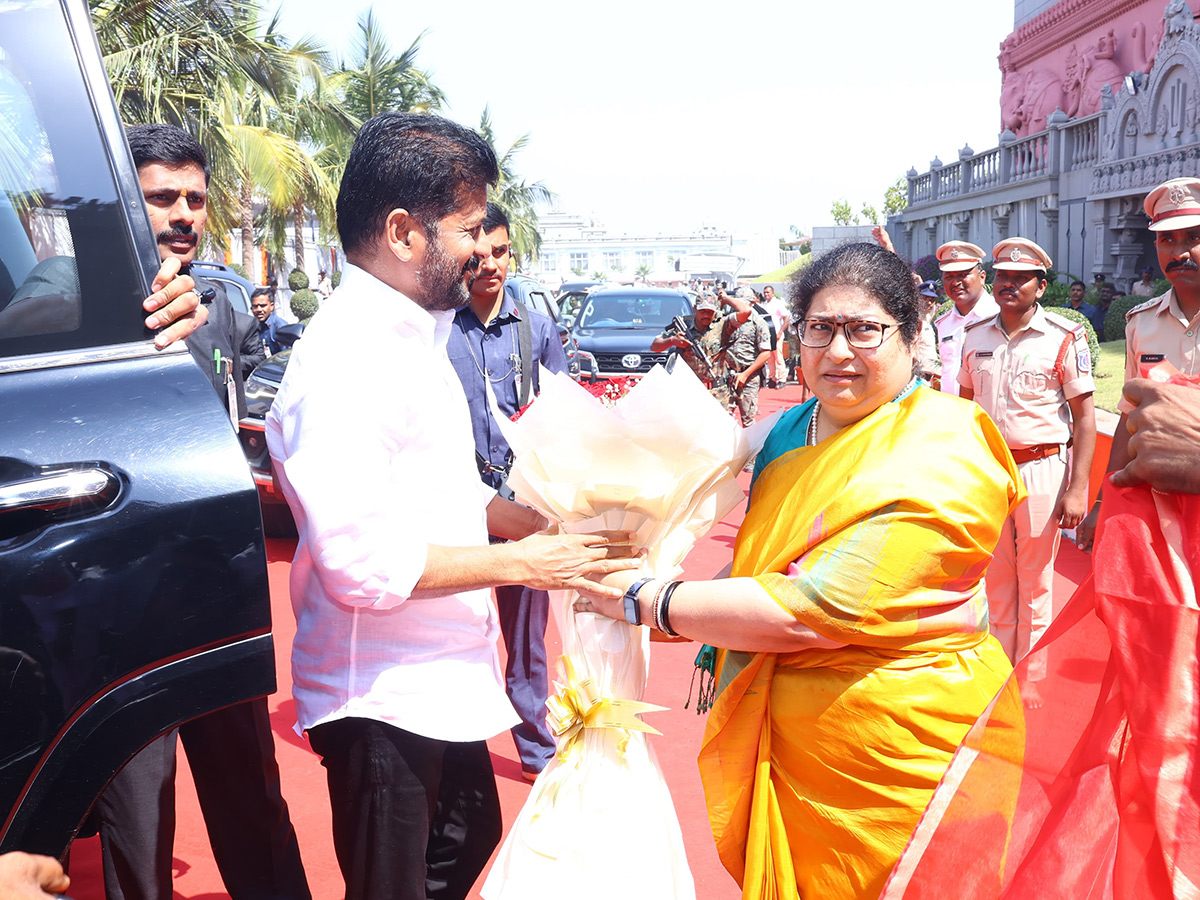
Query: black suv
[[133, 582], [617, 326]]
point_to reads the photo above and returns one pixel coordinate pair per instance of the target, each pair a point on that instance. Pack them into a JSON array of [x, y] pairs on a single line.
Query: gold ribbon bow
[[577, 704]]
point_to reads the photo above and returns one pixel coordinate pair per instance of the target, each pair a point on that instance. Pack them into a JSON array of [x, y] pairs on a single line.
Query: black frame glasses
[[867, 338]]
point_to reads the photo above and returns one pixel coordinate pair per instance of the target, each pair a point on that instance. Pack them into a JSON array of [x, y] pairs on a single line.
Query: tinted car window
[[68, 278], [630, 311]]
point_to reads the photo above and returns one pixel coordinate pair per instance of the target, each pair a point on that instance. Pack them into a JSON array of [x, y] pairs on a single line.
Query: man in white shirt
[[1145, 287], [781, 317], [964, 280], [395, 667]]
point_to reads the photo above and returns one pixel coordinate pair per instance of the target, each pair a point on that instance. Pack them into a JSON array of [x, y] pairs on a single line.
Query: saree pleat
[[817, 764]]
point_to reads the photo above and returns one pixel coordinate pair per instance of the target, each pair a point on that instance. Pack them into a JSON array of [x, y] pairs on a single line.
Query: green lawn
[[1109, 375]]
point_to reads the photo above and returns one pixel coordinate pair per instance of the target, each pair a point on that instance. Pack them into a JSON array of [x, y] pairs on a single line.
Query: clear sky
[[748, 115]]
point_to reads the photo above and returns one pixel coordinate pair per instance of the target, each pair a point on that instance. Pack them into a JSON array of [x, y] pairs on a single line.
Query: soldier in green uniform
[[711, 346]]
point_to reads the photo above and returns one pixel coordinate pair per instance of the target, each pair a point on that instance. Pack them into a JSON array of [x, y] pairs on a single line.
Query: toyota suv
[[133, 580], [617, 325]]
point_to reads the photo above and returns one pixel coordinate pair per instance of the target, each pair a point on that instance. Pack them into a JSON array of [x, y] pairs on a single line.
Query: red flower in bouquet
[[608, 391]]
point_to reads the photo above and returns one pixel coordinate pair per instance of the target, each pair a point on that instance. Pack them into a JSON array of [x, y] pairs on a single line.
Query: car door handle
[[57, 490]]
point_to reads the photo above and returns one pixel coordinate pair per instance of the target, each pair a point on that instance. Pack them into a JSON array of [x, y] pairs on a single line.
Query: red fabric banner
[[1096, 795]]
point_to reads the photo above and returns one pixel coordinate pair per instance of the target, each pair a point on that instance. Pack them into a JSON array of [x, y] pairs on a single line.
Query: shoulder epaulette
[[1075, 328], [1142, 307], [986, 321]]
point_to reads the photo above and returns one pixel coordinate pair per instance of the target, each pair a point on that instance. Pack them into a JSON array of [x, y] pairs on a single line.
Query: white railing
[[985, 169], [1065, 146], [1083, 138]]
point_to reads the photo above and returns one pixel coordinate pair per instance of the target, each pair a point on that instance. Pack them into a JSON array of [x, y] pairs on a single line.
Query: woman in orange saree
[[856, 603]]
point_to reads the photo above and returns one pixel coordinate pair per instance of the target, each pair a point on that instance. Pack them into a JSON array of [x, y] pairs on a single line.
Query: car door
[[133, 591]]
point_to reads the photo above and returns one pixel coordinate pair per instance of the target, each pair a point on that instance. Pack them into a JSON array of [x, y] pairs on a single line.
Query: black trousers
[[232, 756], [413, 817]]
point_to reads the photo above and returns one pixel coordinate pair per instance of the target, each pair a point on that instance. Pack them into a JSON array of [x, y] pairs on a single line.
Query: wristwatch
[[633, 614]]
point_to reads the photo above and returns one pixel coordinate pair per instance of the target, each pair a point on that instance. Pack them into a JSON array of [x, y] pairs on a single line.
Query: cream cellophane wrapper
[[663, 462]]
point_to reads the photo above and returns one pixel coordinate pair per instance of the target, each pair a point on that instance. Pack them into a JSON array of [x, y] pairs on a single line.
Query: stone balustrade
[[1065, 146]]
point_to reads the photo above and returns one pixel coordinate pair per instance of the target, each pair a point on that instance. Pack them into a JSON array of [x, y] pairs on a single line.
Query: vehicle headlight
[[260, 390]]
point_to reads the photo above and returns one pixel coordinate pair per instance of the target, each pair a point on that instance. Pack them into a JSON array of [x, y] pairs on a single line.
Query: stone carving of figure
[[1043, 95], [1143, 46], [1072, 84], [1012, 100], [1107, 101], [1178, 18], [1096, 70], [1131, 136]]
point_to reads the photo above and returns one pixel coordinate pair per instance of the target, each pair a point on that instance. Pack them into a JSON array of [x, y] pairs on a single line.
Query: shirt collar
[[1176, 310], [384, 306], [1036, 323]]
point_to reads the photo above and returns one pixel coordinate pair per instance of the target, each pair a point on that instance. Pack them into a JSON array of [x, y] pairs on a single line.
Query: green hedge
[[304, 304], [1093, 342], [1057, 295], [297, 280], [1114, 319], [240, 269], [336, 278]]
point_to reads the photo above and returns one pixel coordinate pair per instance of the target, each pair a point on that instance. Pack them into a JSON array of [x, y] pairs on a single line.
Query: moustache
[[1181, 264], [182, 231]]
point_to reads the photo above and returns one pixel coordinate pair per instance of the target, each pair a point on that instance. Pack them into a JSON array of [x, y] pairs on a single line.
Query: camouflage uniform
[[739, 347], [729, 348], [712, 375]]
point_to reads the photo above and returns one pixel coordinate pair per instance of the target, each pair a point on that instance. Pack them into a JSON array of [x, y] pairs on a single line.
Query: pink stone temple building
[[1098, 105]]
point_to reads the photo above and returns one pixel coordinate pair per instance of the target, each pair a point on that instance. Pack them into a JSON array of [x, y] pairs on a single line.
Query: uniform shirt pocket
[[1031, 385]]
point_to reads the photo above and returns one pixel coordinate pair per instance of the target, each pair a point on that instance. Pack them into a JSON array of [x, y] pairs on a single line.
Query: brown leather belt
[[1038, 451]]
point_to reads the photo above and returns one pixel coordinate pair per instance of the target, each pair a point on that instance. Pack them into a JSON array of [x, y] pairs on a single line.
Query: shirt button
[[495, 449]]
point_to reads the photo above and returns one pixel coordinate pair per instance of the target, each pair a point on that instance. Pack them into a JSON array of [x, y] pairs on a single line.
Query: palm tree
[[310, 112], [203, 66], [518, 198], [378, 81]]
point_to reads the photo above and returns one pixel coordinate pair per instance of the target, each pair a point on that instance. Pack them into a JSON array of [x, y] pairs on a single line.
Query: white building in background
[[574, 245]]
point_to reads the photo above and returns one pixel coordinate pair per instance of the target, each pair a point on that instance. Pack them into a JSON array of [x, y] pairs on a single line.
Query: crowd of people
[[896, 557]]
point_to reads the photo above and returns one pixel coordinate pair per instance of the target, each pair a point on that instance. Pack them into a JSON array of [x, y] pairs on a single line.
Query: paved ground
[[303, 778]]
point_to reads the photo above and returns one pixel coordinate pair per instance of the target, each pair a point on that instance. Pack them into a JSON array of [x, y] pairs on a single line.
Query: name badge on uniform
[[983, 354], [948, 337], [1151, 358]]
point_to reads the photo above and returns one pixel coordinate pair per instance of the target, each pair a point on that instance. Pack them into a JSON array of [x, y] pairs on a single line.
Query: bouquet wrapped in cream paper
[[663, 463]]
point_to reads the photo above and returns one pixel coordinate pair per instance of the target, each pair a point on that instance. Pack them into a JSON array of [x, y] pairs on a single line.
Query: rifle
[[679, 328]]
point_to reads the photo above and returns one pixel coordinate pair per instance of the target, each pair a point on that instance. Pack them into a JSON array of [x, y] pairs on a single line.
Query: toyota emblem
[[631, 360]]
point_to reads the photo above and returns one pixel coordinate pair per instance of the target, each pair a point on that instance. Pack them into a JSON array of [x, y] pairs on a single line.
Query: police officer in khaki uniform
[[1166, 328], [1031, 371], [964, 280]]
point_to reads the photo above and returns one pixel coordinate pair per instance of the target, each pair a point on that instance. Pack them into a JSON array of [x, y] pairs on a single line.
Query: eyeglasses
[[860, 333]]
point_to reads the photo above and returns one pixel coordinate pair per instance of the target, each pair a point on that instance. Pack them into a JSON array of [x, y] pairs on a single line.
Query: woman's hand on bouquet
[[579, 562]]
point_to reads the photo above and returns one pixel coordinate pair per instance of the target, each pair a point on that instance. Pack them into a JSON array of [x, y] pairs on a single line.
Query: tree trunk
[[247, 226], [298, 236]]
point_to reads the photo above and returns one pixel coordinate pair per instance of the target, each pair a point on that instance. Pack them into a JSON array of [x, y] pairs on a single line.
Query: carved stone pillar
[[931, 227], [962, 225], [1000, 217], [1128, 229], [1048, 207]]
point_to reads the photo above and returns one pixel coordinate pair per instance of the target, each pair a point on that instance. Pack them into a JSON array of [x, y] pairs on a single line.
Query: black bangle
[[663, 616]]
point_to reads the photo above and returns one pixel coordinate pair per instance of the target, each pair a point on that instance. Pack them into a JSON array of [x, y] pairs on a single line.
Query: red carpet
[[196, 876]]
